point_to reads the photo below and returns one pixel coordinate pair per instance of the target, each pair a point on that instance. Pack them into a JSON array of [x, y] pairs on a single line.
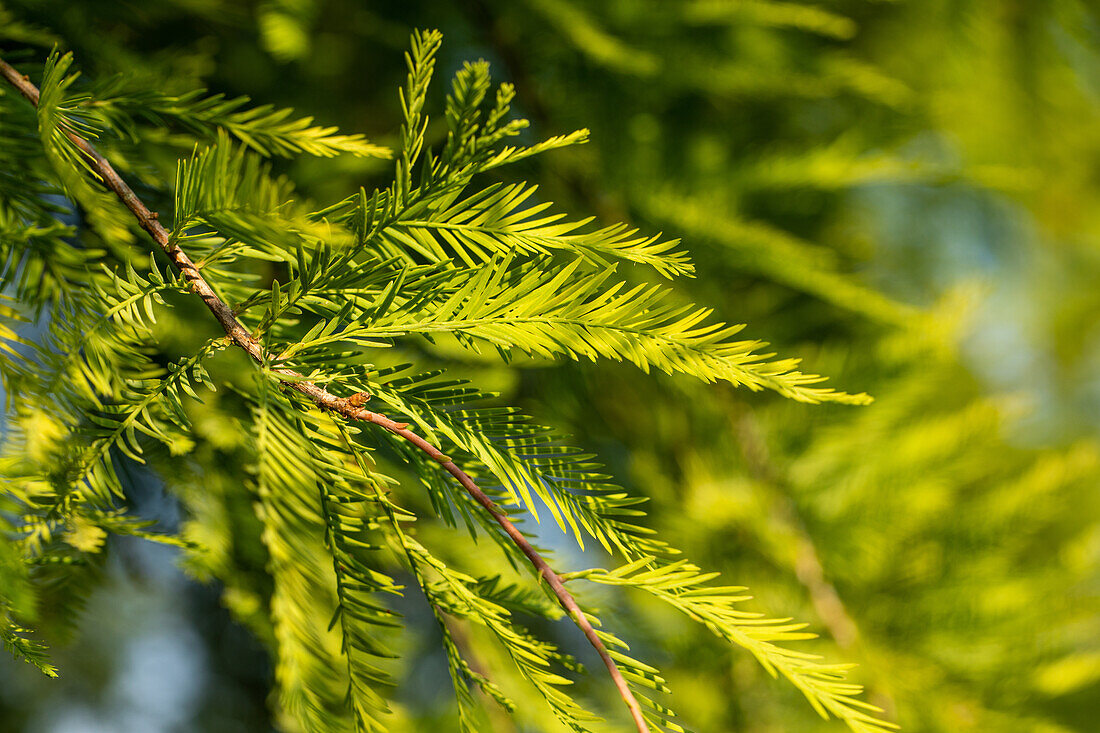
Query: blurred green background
[[903, 193]]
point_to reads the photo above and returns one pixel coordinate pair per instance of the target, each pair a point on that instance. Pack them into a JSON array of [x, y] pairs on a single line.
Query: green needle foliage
[[838, 172], [442, 253]]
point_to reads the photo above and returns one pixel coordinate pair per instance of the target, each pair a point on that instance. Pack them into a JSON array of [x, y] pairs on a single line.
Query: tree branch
[[321, 397]]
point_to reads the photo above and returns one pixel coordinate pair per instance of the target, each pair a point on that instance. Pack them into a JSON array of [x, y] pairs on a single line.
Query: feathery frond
[[327, 679], [568, 312], [494, 221], [61, 114], [15, 640], [264, 129], [684, 587]]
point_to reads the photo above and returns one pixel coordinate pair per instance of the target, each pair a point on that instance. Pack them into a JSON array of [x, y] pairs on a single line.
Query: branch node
[[358, 399]]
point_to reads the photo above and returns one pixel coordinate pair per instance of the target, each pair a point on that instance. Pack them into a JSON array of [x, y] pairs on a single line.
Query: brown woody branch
[[239, 335]]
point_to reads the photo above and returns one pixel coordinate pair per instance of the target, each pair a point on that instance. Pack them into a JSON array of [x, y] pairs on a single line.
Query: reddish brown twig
[[239, 335]]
